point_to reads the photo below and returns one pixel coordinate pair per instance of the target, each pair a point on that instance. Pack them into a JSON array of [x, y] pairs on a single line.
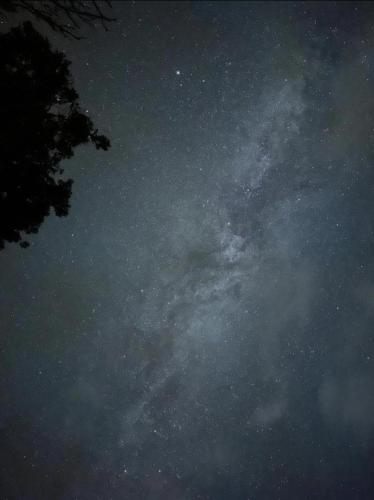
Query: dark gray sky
[[201, 325]]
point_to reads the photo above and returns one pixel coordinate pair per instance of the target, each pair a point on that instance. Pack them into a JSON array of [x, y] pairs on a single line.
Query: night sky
[[200, 326]]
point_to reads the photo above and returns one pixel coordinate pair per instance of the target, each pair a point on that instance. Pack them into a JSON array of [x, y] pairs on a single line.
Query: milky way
[[200, 325]]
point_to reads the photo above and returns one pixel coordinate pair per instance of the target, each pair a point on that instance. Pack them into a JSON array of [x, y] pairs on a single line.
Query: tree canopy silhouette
[[63, 16], [40, 125]]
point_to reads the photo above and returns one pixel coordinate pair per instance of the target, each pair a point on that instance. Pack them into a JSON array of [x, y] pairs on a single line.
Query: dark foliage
[[63, 16], [40, 125]]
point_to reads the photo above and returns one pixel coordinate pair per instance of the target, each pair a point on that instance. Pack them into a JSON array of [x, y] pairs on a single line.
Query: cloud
[[268, 414], [349, 404]]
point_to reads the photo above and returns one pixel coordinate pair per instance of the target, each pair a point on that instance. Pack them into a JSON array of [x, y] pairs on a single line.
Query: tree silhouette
[[40, 125], [63, 16]]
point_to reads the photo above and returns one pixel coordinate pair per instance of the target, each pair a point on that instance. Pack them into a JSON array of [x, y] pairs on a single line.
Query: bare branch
[[63, 16]]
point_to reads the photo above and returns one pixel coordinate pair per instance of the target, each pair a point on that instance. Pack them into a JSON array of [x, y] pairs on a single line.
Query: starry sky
[[201, 325]]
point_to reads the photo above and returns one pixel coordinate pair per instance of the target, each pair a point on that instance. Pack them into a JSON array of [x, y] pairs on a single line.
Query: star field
[[200, 325]]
